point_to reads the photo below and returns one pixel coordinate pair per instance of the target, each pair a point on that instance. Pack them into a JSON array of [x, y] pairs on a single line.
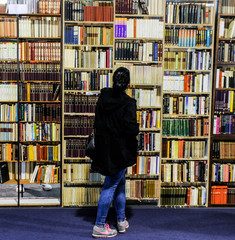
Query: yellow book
[[231, 101], [28, 91], [31, 153]]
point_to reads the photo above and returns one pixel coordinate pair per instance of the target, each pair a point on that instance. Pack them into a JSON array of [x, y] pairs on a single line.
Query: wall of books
[[223, 129], [30, 108]]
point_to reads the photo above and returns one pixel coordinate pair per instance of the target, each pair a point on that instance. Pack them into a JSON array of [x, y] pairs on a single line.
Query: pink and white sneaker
[[103, 232], [122, 226]]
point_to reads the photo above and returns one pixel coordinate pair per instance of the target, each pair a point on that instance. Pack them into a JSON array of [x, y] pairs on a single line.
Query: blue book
[[155, 52], [208, 37]]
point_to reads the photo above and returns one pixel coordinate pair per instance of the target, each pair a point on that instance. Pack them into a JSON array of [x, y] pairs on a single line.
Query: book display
[[223, 128], [187, 92], [30, 103]]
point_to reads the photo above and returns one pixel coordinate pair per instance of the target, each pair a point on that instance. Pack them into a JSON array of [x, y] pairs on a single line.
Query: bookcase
[[30, 62], [187, 92], [222, 122]]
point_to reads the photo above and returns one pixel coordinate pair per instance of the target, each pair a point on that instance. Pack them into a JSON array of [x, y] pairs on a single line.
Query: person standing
[[116, 129]]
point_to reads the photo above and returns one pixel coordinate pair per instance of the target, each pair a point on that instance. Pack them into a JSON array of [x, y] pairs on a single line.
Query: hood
[[109, 102]]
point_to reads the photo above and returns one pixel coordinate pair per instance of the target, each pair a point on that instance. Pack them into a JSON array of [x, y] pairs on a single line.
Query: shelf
[[39, 81], [85, 45], [27, 181], [147, 152], [136, 61], [10, 182], [41, 161], [223, 205], [40, 102], [223, 137], [30, 142], [184, 116], [8, 121], [148, 107], [225, 63], [188, 24], [185, 137], [186, 93], [137, 85], [181, 184], [176, 47], [138, 38], [221, 113], [76, 136], [123, 15], [40, 15], [2, 141], [185, 70], [88, 23], [39, 121], [150, 129], [80, 184], [87, 69], [8, 101], [79, 114], [142, 176], [149, 200], [40, 38], [222, 89], [8, 81], [9, 161], [227, 39], [184, 159], [7, 39], [81, 91], [222, 183], [39, 61], [222, 159], [182, 206], [226, 15]]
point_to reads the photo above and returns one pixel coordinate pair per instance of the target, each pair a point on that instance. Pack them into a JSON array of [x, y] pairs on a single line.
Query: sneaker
[[122, 226], [103, 232]]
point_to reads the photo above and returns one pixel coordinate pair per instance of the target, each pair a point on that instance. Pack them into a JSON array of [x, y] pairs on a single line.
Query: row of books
[[145, 165], [39, 51], [8, 92], [224, 101], [148, 141], [8, 112], [146, 97], [223, 150], [219, 194], [98, 13], [224, 124], [138, 51], [30, 71], [39, 132], [225, 78], [188, 37], [40, 112], [8, 132], [138, 189], [8, 51], [40, 152], [184, 149], [8, 27], [35, 6], [226, 28], [77, 173], [88, 35], [45, 27], [92, 80], [226, 52], [149, 118], [75, 148], [231, 196], [189, 171], [186, 105], [38, 91], [138, 28], [155, 8], [88, 58], [185, 127], [8, 152], [191, 13], [79, 125], [187, 83], [228, 6], [223, 172], [138, 73], [74, 11], [81, 196], [79, 103], [44, 174], [190, 60], [181, 196]]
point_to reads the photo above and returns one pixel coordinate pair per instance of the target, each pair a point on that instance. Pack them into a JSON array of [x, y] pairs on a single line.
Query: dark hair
[[122, 73]]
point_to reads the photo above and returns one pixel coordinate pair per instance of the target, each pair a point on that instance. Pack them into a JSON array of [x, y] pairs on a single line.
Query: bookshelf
[[187, 92], [30, 103], [222, 132], [141, 50]]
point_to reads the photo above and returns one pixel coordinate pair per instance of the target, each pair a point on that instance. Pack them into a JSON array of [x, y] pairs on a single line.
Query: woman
[[116, 129]]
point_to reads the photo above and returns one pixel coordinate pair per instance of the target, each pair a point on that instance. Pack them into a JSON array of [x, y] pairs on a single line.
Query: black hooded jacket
[[116, 129]]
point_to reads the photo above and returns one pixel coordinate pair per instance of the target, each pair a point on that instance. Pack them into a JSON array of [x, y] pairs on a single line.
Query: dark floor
[[145, 224]]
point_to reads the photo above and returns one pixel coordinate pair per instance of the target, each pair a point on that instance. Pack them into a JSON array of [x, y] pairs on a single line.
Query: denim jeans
[[114, 189]]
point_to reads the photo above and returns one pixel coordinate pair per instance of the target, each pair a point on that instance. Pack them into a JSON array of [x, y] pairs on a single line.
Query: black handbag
[[90, 148]]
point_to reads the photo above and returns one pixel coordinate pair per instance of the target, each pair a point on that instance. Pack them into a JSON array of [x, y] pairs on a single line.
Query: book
[[4, 174]]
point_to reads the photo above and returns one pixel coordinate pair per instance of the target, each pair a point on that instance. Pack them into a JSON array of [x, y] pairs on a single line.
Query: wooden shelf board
[[184, 116], [40, 102], [185, 70], [189, 24], [10, 182], [139, 85], [142, 176], [226, 15], [86, 45], [27, 181], [81, 91], [147, 107], [39, 81], [185, 93], [139, 38], [39, 141], [88, 23], [223, 136], [222, 89], [222, 159], [177, 47], [226, 39], [150, 129], [76, 136], [184, 159], [88, 69], [185, 137], [40, 38], [123, 15], [136, 61], [79, 114], [172, 184], [39, 121]]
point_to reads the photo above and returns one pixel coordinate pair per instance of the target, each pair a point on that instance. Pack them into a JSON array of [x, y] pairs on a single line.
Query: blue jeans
[[114, 189]]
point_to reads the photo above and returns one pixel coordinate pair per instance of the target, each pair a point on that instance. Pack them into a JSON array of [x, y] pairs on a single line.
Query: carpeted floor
[[145, 224]]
